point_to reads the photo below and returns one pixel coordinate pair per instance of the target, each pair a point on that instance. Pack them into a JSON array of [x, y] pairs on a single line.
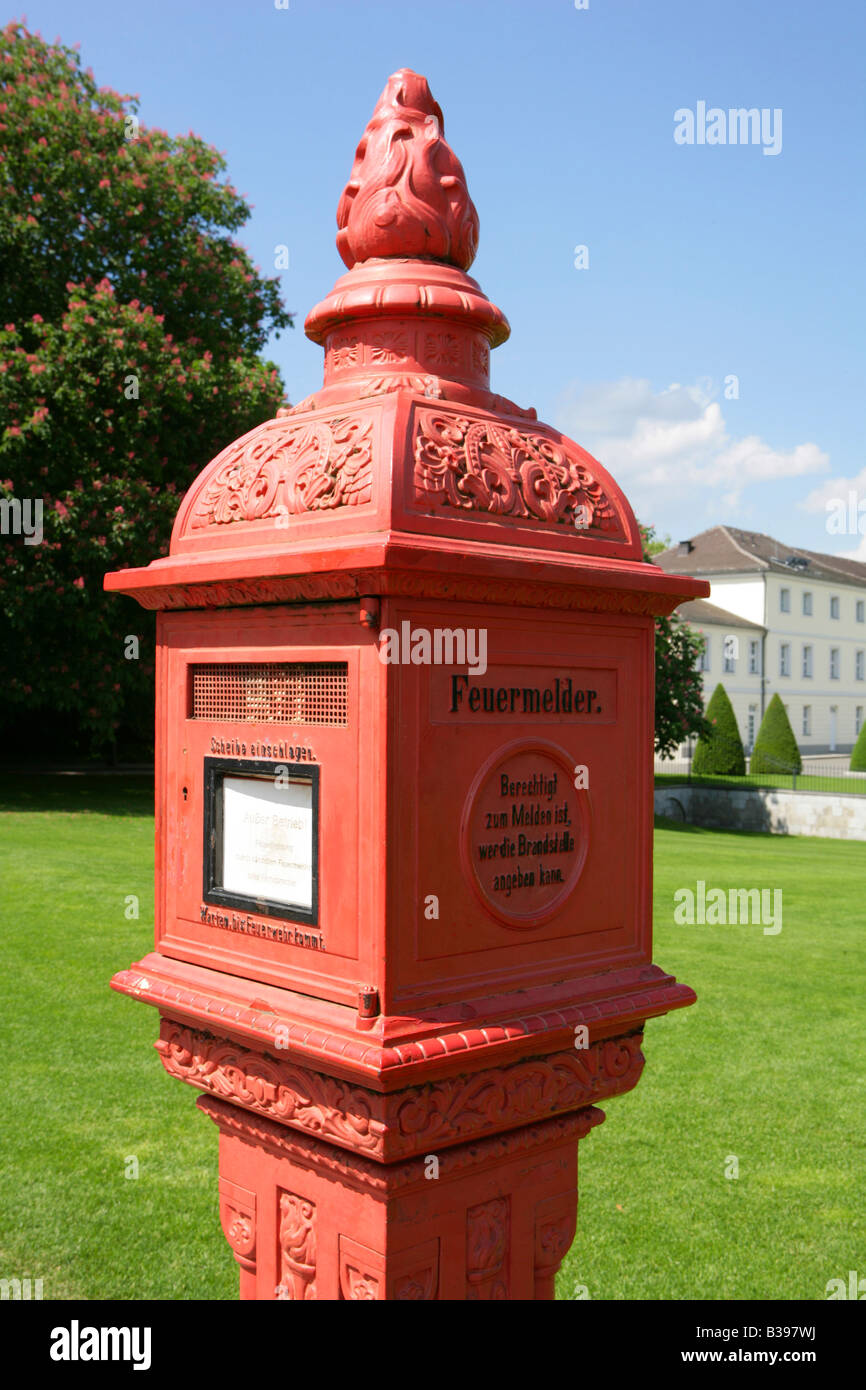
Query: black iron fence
[[821, 772]]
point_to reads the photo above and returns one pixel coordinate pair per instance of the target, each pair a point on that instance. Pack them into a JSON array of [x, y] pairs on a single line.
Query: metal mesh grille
[[310, 692]]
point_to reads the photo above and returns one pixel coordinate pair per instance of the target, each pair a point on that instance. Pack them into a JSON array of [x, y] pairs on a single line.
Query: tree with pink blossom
[[131, 323]]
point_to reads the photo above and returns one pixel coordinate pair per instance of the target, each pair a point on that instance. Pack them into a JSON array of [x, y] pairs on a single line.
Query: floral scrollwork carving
[[290, 1094], [521, 1093], [421, 385], [284, 468], [451, 1109], [482, 465]]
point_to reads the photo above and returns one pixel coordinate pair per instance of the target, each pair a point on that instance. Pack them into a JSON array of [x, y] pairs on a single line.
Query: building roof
[[727, 549], [699, 611]]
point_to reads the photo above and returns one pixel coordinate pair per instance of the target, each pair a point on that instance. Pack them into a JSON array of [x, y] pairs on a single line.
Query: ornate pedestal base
[[462, 1187], [485, 1220]]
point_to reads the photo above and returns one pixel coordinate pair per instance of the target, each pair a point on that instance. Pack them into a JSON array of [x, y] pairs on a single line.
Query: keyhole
[[184, 793]]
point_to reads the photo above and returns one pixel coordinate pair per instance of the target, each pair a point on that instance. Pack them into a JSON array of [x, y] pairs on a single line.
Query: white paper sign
[[268, 840]]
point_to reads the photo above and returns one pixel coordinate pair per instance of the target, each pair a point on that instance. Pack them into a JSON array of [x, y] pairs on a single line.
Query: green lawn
[[768, 1066], [85, 1089]]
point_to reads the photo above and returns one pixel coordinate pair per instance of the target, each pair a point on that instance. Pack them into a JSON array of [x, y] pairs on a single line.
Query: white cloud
[[667, 439], [832, 490], [845, 497]]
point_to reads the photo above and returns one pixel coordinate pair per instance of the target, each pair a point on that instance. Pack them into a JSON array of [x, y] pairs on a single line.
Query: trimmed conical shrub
[[776, 747], [721, 750], [858, 753]]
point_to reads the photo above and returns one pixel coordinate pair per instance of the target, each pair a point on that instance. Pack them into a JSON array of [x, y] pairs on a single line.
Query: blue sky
[[706, 261]]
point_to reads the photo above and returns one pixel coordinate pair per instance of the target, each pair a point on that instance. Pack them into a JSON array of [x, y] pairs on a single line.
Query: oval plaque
[[524, 833]]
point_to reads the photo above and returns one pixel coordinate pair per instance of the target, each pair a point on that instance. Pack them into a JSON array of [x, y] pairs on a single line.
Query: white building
[[781, 620]]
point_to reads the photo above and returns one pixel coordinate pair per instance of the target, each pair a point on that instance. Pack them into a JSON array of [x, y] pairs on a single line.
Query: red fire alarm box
[[404, 784]]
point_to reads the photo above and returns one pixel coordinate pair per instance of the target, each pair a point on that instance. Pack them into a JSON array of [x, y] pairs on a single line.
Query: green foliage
[[88, 193], [858, 752], [720, 748], [776, 747], [653, 544], [127, 361], [679, 706]]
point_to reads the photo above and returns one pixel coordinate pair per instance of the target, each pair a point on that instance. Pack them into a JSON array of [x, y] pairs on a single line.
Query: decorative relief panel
[[238, 1220], [488, 1231], [297, 1254], [484, 466], [410, 1175], [442, 350], [414, 1275], [480, 357], [408, 1276], [409, 1121], [294, 1095], [555, 1227], [421, 385], [389, 345], [362, 1272], [285, 468], [343, 351], [463, 1106]]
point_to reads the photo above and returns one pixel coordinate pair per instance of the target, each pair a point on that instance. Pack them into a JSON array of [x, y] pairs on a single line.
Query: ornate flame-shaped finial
[[407, 193]]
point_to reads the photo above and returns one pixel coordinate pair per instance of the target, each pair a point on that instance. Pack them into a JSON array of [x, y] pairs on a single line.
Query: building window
[[785, 659], [807, 662], [807, 603], [858, 719], [785, 600], [754, 658], [834, 607], [861, 611], [807, 721], [860, 665], [704, 654], [834, 663], [753, 717], [730, 652]]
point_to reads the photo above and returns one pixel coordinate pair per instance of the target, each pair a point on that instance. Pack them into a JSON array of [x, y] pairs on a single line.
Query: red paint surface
[[405, 496]]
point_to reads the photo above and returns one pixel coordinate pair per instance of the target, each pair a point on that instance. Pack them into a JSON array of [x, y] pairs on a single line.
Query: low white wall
[[770, 809]]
